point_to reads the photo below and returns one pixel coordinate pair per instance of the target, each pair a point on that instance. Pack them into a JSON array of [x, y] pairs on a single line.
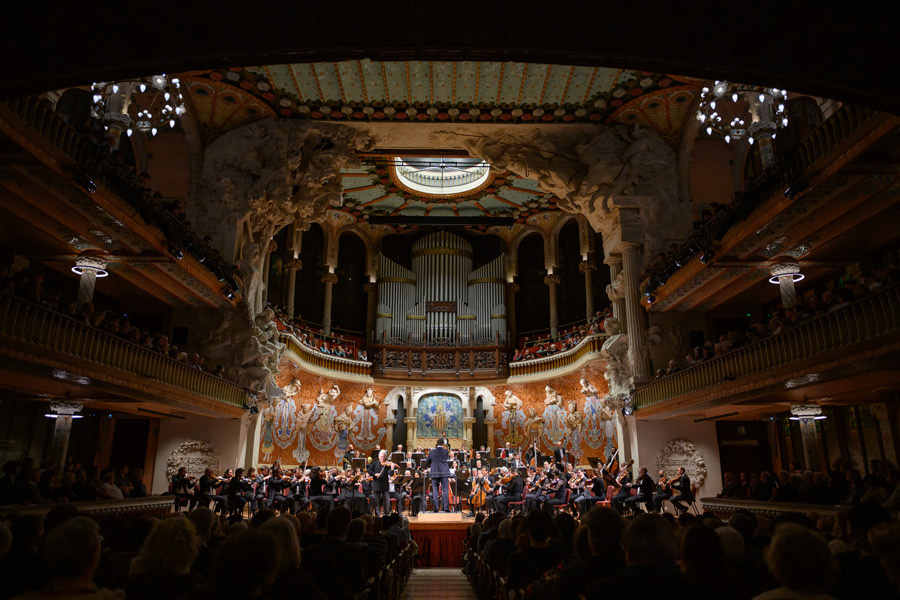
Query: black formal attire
[[560, 457], [381, 486], [206, 493], [645, 489], [624, 493], [259, 493], [663, 493], [556, 494], [442, 442], [318, 495], [513, 493], [181, 489], [536, 496], [418, 503], [440, 478], [235, 495], [398, 493], [278, 492], [588, 501], [300, 493], [682, 485]]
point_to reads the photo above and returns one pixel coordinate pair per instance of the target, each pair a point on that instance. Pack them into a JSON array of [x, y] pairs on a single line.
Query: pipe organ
[[442, 297]]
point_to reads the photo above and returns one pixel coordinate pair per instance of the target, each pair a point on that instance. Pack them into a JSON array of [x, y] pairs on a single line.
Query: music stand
[[498, 462], [417, 457], [523, 471], [398, 457], [423, 464], [594, 461], [358, 463]]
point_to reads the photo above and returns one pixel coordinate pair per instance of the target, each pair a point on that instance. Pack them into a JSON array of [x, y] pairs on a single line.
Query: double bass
[[480, 493]]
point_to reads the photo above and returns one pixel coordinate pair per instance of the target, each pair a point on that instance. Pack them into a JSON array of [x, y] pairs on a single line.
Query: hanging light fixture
[[765, 114], [146, 104]]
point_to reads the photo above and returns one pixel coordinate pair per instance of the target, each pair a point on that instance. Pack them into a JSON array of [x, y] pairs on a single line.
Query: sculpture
[[266, 334], [249, 267], [365, 432], [267, 444], [512, 403], [512, 418], [533, 425], [301, 454], [574, 427], [344, 421]]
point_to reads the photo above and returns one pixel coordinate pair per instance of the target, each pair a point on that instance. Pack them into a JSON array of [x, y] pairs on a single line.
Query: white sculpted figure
[[250, 269], [369, 401], [533, 425], [266, 333], [551, 397], [344, 421], [512, 403]]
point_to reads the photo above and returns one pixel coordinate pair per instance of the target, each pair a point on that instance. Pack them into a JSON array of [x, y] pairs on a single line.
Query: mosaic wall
[[319, 417]]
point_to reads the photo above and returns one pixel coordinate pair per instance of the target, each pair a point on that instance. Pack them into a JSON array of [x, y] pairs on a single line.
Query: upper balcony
[[316, 361], [841, 353], [48, 353], [441, 360], [547, 366]]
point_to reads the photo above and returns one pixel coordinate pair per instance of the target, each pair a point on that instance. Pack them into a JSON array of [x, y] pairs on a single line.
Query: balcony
[[448, 362], [323, 363], [70, 351], [861, 331], [538, 368]]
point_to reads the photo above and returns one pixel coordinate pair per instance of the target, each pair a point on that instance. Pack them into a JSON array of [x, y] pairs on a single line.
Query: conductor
[[440, 477]]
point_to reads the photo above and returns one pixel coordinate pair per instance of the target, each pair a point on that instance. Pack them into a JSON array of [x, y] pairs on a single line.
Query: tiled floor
[[438, 584]]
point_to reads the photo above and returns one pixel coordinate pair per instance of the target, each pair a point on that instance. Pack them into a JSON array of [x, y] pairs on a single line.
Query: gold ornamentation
[[384, 316], [329, 278], [416, 317], [397, 280], [478, 280], [551, 280], [498, 316], [442, 251], [465, 317]]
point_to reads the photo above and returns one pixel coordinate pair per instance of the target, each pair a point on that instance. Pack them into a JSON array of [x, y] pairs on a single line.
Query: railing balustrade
[[312, 357], [723, 508], [52, 332], [592, 344], [871, 317], [440, 362]]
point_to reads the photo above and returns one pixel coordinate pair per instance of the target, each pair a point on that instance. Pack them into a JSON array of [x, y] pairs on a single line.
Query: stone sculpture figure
[[533, 425], [249, 267], [267, 444], [301, 454], [574, 428]]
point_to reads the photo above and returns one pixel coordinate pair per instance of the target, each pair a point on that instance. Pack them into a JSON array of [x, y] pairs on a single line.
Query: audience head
[[337, 522], [245, 563], [540, 524], [170, 548], [283, 536], [356, 530], [799, 559], [649, 539], [733, 543], [702, 553], [204, 521], [72, 549]]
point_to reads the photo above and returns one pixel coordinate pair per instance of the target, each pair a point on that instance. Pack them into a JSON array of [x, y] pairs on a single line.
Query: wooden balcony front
[[537, 368], [317, 361], [441, 363]]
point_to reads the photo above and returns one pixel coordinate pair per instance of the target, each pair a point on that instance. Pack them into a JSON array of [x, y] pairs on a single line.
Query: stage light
[[175, 251]]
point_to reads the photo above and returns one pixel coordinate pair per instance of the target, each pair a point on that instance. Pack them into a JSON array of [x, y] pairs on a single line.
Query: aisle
[[438, 584]]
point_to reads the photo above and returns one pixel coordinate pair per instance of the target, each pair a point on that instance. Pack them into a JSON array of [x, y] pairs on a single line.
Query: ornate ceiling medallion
[[441, 177]]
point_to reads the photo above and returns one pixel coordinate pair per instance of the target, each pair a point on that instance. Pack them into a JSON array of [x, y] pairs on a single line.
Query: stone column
[[587, 267], [467, 435], [62, 429], [292, 266], [618, 302], [410, 431], [551, 281], [490, 421], [389, 423], [807, 414], [634, 312], [371, 305], [785, 274], [511, 290], [90, 268], [329, 279], [882, 414]]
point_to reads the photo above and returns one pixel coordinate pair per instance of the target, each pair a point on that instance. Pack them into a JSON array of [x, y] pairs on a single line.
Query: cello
[[480, 493]]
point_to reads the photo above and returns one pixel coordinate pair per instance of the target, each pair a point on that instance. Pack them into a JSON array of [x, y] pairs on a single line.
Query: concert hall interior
[[474, 301]]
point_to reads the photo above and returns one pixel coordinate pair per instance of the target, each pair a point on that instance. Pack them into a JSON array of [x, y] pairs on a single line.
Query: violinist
[[235, 494], [181, 488], [556, 490], [380, 470], [318, 494], [513, 492], [536, 496], [663, 491], [300, 489], [597, 485], [645, 488], [277, 489], [623, 481], [682, 485], [578, 484], [399, 492], [206, 490]]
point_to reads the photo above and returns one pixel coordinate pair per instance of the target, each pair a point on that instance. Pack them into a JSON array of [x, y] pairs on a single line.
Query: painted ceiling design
[[440, 91], [370, 190]]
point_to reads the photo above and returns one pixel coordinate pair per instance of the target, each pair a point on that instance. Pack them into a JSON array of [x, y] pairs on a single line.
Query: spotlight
[[229, 294], [707, 256], [217, 271], [651, 298], [795, 188], [175, 251], [83, 180]]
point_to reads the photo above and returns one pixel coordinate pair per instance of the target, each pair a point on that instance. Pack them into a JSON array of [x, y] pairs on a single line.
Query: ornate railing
[[97, 165], [149, 506], [440, 363], [312, 357], [561, 360], [723, 508], [789, 169], [864, 320], [57, 334]]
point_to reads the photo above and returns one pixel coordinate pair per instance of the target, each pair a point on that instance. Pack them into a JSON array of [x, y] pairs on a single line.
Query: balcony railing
[[310, 356], [872, 317], [150, 506], [723, 508], [57, 334], [547, 364], [449, 362]]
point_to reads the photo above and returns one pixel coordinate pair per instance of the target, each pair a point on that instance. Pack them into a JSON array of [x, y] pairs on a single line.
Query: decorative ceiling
[[440, 91], [370, 190]]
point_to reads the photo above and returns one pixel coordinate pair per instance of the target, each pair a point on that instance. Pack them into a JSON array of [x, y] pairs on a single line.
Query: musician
[[349, 455], [206, 490], [375, 452], [506, 451], [318, 492], [380, 471], [277, 490], [399, 448], [480, 477], [261, 480], [556, 490], [560, 456], [399, 492], [536, 495], [235, 494], [579, 486], [418, 503], [440, 477], [181, 488], [598, 486], [663, 491], [682, 485], [513, 462], [366, 493], [512, 493], [531, 453], [623, 481], [645, 488], [300, 490], [443, 441]]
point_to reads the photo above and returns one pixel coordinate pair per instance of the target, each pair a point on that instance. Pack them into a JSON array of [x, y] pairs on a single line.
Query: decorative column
[[587, 267], [808, 414], [389, 422], [634, 312], [511, 290], [329, 279], [882, 414], [786, 274], [467, 423], [62, 429], [618, 301], [490, 421], [90, 268], [551, 281], [292, 266], [410, 431], [371, 290]]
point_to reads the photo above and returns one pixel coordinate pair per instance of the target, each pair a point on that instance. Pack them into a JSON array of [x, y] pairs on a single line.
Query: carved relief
[[195, 456], [682, 453]]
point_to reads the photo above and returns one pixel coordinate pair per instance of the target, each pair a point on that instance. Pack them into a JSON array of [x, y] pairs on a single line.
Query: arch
[[513, 268], [556, 229], [371, 255]]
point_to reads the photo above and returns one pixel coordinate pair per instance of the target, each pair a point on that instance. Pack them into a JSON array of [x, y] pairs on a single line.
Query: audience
[[541, 345]]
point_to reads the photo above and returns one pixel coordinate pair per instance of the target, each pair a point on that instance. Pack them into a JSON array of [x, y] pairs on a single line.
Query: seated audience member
[[163, 567], [799, 560], [704, 565], [72, 555], [245, 563], [529, 564], [283, 535]]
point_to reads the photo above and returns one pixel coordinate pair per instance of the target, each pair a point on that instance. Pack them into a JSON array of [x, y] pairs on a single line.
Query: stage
[[440, 537]]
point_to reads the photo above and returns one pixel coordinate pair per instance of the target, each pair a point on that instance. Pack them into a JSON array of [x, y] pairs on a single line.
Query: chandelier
[[146, 104], [766, 107]]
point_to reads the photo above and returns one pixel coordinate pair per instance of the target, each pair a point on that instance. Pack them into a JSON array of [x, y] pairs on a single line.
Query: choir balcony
[[833, 357], [442, 359], [57, 355]]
